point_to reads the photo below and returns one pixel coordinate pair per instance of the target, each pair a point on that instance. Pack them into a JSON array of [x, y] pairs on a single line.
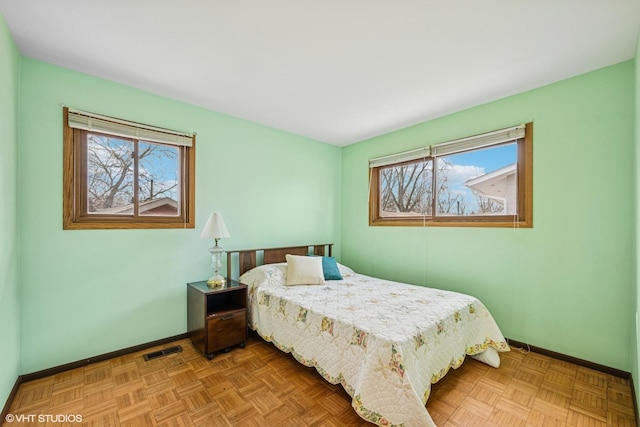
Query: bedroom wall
[[9, 292], [635, 340], [88, 292], [564, 285]]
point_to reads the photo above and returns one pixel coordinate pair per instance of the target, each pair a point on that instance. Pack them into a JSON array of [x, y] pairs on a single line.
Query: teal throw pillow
[[330, 268]]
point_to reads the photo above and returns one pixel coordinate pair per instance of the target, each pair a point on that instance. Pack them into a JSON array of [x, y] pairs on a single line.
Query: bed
[[385, 342]]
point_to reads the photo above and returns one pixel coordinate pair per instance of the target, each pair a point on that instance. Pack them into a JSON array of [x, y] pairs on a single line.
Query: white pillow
[[274, 274], [304, 270]]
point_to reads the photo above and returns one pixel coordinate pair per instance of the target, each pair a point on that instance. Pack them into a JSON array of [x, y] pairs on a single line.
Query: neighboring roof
[[149, 205], [334, 71], [156, 203], [492, 184]]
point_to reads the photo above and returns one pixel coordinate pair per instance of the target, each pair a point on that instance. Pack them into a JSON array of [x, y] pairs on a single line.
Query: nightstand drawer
[[226, 329]]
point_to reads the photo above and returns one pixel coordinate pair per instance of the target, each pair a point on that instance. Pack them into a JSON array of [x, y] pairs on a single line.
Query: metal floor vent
[[163, 352]]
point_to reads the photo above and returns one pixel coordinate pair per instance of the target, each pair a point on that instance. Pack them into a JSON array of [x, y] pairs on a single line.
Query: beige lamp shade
[[215, 227]]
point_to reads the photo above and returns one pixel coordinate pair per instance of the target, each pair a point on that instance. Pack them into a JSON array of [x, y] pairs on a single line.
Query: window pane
[[119, 182], [478, 182], [109, 175], [158, 173], [406, 190]]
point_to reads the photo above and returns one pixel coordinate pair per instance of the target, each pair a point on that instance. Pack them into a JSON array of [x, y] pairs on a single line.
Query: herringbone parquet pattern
[[261, 386]]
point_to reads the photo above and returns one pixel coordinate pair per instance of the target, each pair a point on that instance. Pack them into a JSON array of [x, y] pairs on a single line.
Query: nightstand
[[217, 318]]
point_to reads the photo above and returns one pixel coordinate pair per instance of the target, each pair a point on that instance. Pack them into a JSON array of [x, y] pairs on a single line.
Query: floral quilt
[[385, 342]]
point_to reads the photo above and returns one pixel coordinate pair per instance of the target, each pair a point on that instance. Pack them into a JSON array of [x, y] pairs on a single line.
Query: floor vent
[[164, 352]]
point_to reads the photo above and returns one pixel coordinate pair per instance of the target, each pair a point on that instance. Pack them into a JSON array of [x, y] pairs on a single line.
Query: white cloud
[[459, 174]]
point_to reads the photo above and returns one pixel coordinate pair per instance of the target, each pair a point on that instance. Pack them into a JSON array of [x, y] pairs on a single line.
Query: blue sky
[[469, 165], [489, 159]]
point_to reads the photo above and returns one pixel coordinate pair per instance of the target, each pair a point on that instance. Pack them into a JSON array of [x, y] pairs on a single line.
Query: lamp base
[[216, 281]]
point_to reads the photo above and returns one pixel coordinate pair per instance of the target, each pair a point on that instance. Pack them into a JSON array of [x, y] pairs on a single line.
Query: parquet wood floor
[[261, 386]]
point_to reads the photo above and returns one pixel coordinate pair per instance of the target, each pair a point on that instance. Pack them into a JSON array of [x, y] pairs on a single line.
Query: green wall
[[87, 292], [635, 340], [9, 300], [564, 285]]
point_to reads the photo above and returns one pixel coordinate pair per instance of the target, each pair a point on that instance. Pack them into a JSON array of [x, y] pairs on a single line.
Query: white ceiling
[[337, 71]]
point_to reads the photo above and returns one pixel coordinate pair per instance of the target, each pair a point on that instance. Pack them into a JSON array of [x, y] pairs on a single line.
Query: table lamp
[[215, 229]]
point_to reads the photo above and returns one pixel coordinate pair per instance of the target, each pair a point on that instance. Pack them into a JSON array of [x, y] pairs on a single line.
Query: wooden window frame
[[523, 218], [74, 203]]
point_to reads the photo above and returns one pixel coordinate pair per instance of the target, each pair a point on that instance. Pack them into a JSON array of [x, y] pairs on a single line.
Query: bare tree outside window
[[489, 206], [407, 188], [158, 173], [449, 202], [111, 173]]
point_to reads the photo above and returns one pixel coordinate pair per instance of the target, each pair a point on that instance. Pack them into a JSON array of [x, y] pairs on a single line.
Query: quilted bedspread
[[385, 342]]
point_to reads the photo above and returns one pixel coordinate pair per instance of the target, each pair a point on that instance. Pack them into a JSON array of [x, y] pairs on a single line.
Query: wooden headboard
[[249, 258]]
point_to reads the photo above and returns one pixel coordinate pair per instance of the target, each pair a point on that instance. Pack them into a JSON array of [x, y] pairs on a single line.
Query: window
[[119, 174], [484, 181]]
